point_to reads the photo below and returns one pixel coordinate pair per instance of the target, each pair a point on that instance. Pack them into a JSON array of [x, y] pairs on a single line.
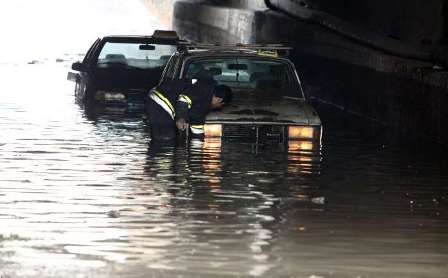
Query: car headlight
[[301, 132], [300, 146], [212, 130], [107, 95]]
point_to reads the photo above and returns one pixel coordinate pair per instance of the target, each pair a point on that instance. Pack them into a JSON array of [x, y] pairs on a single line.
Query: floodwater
[[85, 195]]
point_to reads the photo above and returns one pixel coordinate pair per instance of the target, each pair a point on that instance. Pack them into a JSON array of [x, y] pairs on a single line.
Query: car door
[[81, 76]]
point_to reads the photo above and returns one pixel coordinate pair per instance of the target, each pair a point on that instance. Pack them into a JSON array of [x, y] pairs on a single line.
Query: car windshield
[[256, 76], [135, 55]]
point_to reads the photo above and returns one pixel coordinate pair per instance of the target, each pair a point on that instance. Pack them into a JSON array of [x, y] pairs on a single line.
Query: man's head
[[222, 95]]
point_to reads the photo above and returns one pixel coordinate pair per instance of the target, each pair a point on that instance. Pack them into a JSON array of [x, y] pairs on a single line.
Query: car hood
[[284, 111]]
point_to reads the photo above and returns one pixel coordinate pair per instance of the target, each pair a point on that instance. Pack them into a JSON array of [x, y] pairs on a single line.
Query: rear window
[[133, 55], [257, 76]]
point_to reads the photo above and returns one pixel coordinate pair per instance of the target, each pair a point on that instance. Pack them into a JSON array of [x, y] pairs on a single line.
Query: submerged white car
[[268, 103]]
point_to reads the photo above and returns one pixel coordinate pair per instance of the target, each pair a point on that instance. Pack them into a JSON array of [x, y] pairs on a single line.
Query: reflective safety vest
[[186, 99], [197, 129], [164, 102]]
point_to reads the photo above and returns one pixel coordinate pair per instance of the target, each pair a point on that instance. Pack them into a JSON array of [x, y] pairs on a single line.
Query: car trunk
[[134, 83], [127, 78]]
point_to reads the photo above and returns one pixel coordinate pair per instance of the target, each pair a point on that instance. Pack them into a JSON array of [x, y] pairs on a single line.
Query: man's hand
[[181, 124]]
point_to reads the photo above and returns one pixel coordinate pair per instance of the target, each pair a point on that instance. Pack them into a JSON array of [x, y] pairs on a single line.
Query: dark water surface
[[87, 196]]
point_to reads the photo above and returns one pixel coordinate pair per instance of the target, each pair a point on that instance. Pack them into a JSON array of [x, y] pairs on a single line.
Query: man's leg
[[162, 126]]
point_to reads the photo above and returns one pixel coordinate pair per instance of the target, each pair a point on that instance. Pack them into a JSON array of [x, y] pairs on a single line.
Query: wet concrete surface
[[85, 195]]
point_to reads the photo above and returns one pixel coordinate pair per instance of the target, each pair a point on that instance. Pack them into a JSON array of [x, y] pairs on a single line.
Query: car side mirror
[[78, 66]]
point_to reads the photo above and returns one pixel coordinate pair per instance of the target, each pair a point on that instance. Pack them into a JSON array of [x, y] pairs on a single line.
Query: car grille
[[254, 133]]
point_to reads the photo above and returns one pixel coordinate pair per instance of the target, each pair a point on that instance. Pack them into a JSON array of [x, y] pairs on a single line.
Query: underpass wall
[[214, 24], [163, 9], [414, 21]]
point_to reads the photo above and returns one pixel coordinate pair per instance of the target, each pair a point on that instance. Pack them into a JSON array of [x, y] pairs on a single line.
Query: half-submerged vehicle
[[268, 103], [117, 71]]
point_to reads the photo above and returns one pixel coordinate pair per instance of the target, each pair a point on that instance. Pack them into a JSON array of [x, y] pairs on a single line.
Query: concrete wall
[[418, 22], [240, 4], [221, 24], [163, 9], [415, 21], [214, 24]]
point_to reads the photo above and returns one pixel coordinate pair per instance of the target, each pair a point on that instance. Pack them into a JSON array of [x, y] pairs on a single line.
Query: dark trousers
[[162, 126]]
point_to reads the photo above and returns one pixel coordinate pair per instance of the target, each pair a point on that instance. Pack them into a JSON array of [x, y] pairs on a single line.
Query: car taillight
[[301, 132], [109, 95], [212, 130]]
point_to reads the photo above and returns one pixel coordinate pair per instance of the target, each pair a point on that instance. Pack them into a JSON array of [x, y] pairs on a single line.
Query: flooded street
[[86, 195]]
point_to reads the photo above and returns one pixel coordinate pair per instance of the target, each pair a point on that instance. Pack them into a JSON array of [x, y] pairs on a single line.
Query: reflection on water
[[224, 196], [85, 193]]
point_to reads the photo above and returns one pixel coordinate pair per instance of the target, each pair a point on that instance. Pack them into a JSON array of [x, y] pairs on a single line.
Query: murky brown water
[[87, 196]]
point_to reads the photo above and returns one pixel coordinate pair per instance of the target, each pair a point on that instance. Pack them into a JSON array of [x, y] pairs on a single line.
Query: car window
[[133, 55], [268, 78]]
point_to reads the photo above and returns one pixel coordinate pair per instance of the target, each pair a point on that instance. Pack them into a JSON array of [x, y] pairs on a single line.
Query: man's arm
[[183, 104]]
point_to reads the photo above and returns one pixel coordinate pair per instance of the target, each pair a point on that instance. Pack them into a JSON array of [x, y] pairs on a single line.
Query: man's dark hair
[[224, 92]]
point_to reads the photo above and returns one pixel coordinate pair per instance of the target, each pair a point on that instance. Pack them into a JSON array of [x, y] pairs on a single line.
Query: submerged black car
[[117, 71]]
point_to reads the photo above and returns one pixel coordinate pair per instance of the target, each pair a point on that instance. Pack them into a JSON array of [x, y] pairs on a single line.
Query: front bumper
[[266, 133]]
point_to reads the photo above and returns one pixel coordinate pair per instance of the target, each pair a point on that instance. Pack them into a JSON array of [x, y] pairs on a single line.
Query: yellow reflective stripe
[[185, 98], [197, 129], [197, 126], [164, 99], [168, 108]]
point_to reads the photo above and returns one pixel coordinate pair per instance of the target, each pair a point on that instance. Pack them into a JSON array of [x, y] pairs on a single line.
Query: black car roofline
[[142, 39]]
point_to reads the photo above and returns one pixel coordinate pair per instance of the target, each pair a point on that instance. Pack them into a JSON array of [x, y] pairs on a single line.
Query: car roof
[[140, 39], [207, 53], [270, 51], [159, 36]]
